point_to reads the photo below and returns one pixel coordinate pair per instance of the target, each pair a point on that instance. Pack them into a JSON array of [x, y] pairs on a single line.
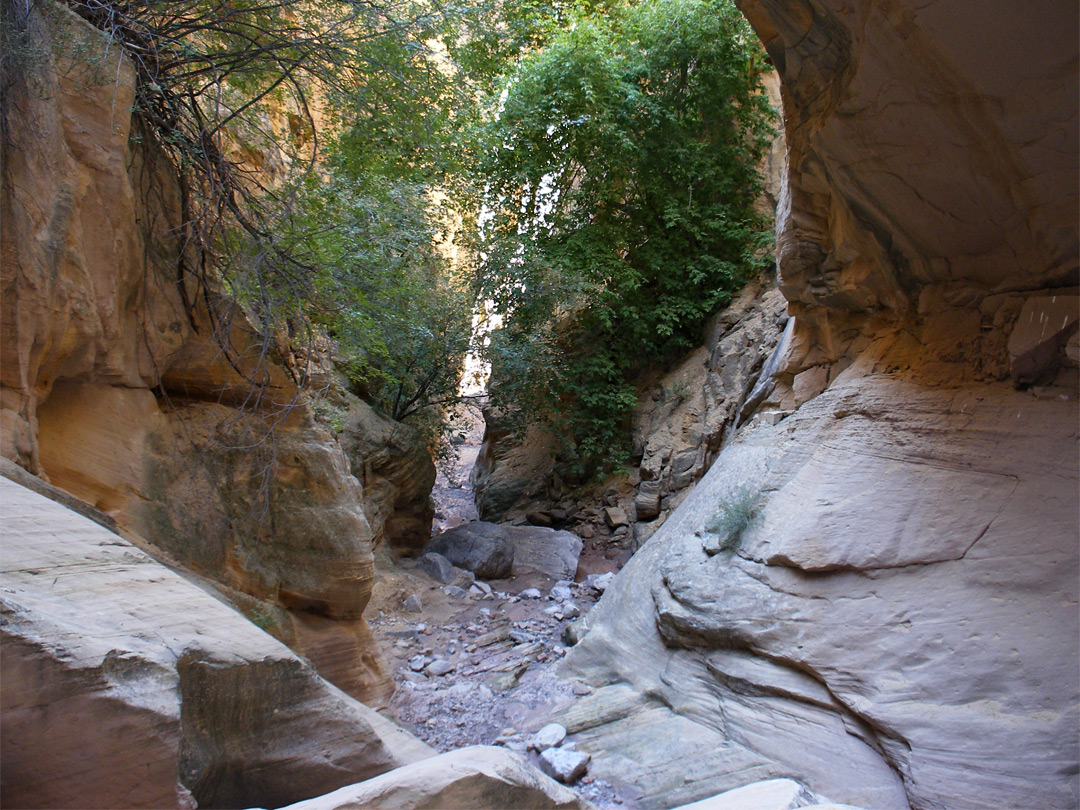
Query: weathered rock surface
[[900, 625], [396, 472], [474, 777], [127, 384], [125, 685], [547, 551], [679, 424]]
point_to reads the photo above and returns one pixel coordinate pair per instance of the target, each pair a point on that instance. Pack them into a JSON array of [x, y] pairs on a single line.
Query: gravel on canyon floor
[[475, 663]]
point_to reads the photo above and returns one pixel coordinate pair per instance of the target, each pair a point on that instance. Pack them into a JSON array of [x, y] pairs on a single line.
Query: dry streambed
[[475, 662]]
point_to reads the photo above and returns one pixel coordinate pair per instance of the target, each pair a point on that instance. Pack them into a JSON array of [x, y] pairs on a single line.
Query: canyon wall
[[131, 383], [874, 588]]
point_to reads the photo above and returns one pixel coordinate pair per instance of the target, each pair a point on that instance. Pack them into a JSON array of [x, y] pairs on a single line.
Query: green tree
[[622, 180]]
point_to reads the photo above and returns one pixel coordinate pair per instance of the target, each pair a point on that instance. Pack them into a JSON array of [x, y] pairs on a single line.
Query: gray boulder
[[483, 548], [437, 567]]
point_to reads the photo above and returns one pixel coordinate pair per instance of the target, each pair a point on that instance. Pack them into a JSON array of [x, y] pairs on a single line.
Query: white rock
[[564, 765], [473, 777], [550, 736], [561, 593], [439, 667], [530, 593], [773, 794], [599, 582]]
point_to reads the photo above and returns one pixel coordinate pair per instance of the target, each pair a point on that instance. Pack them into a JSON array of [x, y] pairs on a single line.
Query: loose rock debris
[[477, 666]]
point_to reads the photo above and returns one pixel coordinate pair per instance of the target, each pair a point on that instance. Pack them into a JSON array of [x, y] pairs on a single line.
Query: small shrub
[[263, 618], [738, 513]]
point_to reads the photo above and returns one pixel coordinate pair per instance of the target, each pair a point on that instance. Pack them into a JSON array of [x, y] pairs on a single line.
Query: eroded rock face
[[906, 597], [895, 624], [397, 473], [125, 685], [903, 203], [116, 386]]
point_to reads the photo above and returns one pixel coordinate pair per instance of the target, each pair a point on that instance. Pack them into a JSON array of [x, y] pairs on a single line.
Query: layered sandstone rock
[[396, 471], [130, 385], [128, 686], [465, 779], [892, 621]]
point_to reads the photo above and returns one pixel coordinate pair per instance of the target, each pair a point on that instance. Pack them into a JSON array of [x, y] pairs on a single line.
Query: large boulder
[[483, 548], [547, 551], [126, 685], [466, 779]]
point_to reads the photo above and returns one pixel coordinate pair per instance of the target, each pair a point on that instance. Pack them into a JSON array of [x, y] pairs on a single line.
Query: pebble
[[454, 591], [418, 662], [413, 604], [561, 593], [530, 593], [439, 667], [421, 627]]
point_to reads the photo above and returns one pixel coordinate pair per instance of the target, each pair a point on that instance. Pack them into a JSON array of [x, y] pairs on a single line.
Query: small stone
[[437, 567], [483, 587], [586, 532], [418, 662], [454, 592], [615, 517], [413, 604], [439, 667], [550, 736], [582, 689], [564, 765], [530, 593], [538, 518], [570, 610], [561, 593], [599, 582]]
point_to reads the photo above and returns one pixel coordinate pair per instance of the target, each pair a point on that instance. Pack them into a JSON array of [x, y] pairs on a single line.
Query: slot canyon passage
[[840, 568]]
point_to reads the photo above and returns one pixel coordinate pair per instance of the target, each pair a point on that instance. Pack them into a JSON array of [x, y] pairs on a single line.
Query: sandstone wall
[[126, 685], [117, 389], [893, 618]]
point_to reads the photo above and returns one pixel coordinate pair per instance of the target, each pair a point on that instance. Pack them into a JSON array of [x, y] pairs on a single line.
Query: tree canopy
[[595, 160], [622, 176]]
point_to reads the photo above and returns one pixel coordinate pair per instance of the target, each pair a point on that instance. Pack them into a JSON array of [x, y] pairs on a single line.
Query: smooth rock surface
[[465, 779], [907, 662], [125, 685], [772, 794], [550, 736]]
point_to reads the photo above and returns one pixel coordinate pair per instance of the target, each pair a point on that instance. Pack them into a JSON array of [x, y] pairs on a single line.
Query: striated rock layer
[[874, 588], [127, 686], [127, 383]]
